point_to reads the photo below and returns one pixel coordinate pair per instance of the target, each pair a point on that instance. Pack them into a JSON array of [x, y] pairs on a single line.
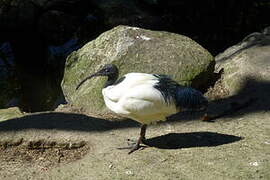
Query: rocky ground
[[69, 145]]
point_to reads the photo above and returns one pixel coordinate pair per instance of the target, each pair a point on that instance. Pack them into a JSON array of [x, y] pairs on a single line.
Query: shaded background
[[37, 35]]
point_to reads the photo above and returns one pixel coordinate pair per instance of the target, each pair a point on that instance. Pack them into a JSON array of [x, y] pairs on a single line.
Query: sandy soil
[[69, 145]]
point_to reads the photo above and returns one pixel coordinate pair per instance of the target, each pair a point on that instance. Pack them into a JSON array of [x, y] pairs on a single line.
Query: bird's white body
[[137, 98], [146, 98]]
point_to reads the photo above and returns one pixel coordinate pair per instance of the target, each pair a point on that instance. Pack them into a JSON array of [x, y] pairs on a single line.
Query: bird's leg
[[137, 144], [142, 133], [140, 140]]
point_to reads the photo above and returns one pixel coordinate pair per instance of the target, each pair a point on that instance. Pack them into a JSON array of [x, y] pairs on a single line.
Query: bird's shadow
[[189, 140]]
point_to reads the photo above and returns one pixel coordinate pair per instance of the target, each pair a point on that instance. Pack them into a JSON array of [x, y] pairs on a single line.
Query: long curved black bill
[[89, 77]]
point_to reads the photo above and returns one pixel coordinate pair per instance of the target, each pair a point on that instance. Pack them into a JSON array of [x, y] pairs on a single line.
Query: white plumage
[[146, 98], [136, 98]]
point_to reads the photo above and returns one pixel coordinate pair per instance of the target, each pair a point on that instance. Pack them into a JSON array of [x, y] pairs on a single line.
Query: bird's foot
[[134, 145], [133, 141], [133, 148]]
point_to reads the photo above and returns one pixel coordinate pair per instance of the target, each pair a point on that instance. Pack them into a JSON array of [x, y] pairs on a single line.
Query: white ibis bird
[[146, 98]]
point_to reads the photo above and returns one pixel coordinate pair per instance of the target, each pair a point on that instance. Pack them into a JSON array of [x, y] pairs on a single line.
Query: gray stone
[[134, 50], [246, 65]]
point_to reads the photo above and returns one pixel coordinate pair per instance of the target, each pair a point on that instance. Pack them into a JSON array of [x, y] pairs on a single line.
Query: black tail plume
[[190, 99]]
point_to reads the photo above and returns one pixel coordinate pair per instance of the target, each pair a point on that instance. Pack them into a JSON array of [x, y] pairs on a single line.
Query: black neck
[[111, 80]]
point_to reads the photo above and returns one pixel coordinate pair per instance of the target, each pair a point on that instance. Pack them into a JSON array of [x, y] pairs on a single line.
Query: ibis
[[146, 98]]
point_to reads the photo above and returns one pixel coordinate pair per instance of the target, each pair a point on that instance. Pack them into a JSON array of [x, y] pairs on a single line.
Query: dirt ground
[[69, 145]]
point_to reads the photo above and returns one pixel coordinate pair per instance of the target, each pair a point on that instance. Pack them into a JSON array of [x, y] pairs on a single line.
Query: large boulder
[[247, 65], [134, 50]]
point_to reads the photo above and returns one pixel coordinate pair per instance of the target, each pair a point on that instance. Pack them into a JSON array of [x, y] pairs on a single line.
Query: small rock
[[110, 166], [254, 163], [130, 173]]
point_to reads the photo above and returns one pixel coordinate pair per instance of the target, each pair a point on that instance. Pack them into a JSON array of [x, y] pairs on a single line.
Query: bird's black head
[[109, 70]]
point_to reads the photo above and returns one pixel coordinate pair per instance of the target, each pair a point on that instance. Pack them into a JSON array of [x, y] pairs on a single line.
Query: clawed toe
[[136, 145]]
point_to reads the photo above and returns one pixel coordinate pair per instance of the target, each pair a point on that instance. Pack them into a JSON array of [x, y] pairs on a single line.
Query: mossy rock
[[10, 113], [134, 50]]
